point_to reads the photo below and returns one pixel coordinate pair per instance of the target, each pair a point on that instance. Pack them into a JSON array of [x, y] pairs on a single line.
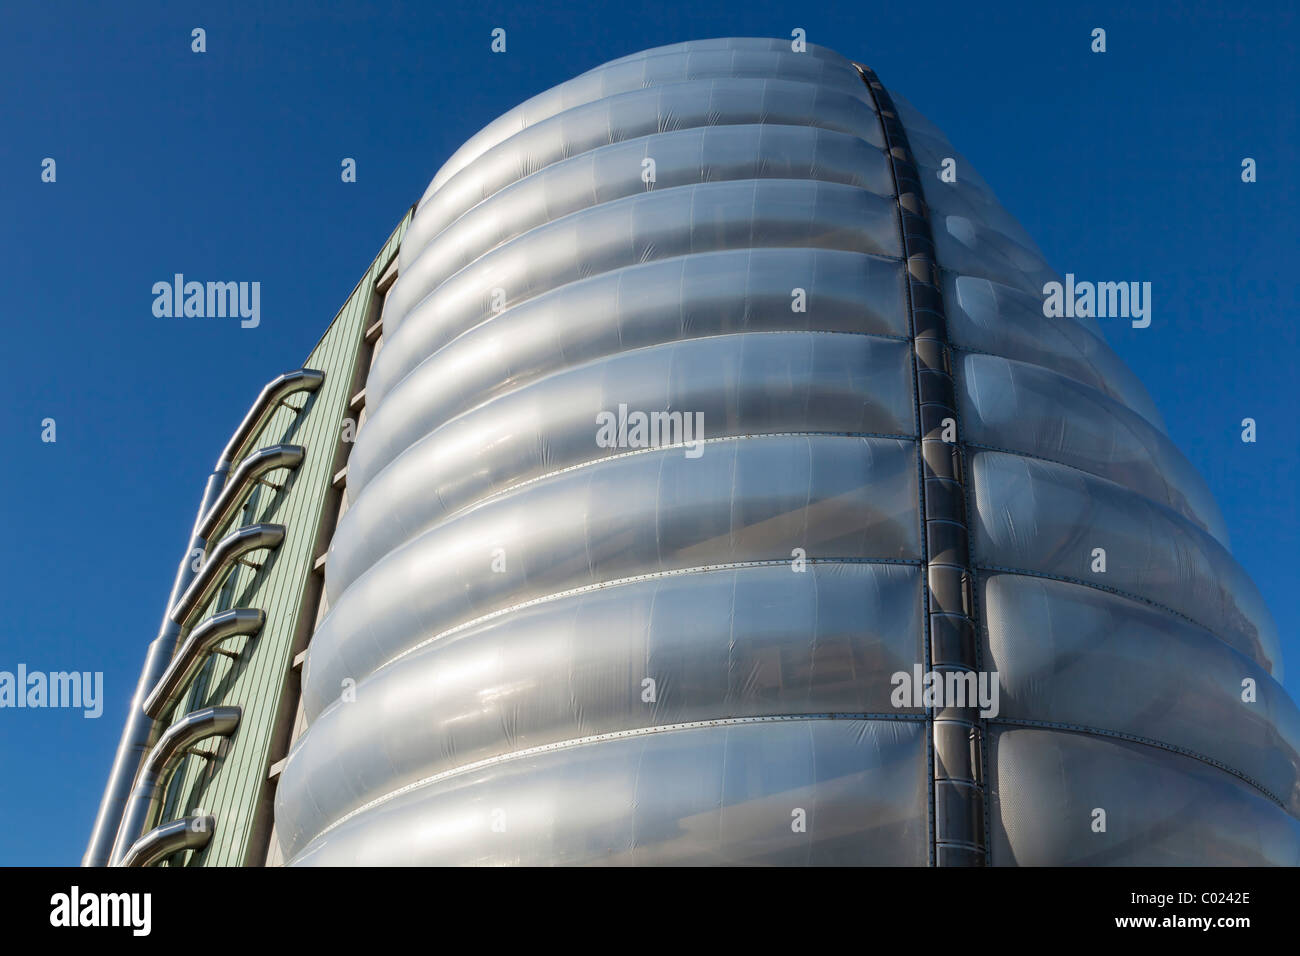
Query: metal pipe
[[228, 550], [190, 833], [200, 644], [252, 468], [158, 767], [276, 391], [138, 730]]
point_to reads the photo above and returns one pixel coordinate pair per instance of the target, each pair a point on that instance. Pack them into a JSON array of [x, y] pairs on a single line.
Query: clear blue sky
[[226, 166]]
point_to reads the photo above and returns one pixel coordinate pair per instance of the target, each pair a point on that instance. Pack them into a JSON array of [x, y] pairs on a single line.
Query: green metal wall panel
[[233, 785]]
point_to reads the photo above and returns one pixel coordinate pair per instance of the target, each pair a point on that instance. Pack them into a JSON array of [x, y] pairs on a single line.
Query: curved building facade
[[709, 429], [680, 648]]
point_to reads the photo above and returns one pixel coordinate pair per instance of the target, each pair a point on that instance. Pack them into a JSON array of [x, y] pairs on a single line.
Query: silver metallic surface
[[190, 656], [190, 833], [157, 769], [272, 395], [139, 732], [212, 573], [251, 470], [545, 648]]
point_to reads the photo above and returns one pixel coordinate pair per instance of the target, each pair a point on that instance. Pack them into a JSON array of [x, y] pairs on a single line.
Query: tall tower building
[[720, 493]]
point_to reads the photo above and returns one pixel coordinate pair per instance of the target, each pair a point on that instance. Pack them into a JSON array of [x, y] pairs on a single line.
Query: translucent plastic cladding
[[633, 552]]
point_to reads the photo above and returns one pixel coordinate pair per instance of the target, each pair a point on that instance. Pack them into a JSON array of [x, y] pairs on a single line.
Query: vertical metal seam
[[868, 77], [958, 803]]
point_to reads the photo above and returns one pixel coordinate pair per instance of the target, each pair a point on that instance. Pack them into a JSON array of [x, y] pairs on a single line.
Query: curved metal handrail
[[139, 728], [203, 640], [249, 471], [228, 550], [172, 747], [276, 391], [188, 833]]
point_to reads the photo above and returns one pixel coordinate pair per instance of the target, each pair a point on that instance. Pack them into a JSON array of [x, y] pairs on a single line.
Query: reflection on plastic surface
[[601, 176], [720, 644], [1048, 518], [1068, 654], [745, 290], [659, 224], [1038, 412], [742, 500], [1161, 808], [545, 648], [740, 384], [793, 792], [984, 316], [688, 74]]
